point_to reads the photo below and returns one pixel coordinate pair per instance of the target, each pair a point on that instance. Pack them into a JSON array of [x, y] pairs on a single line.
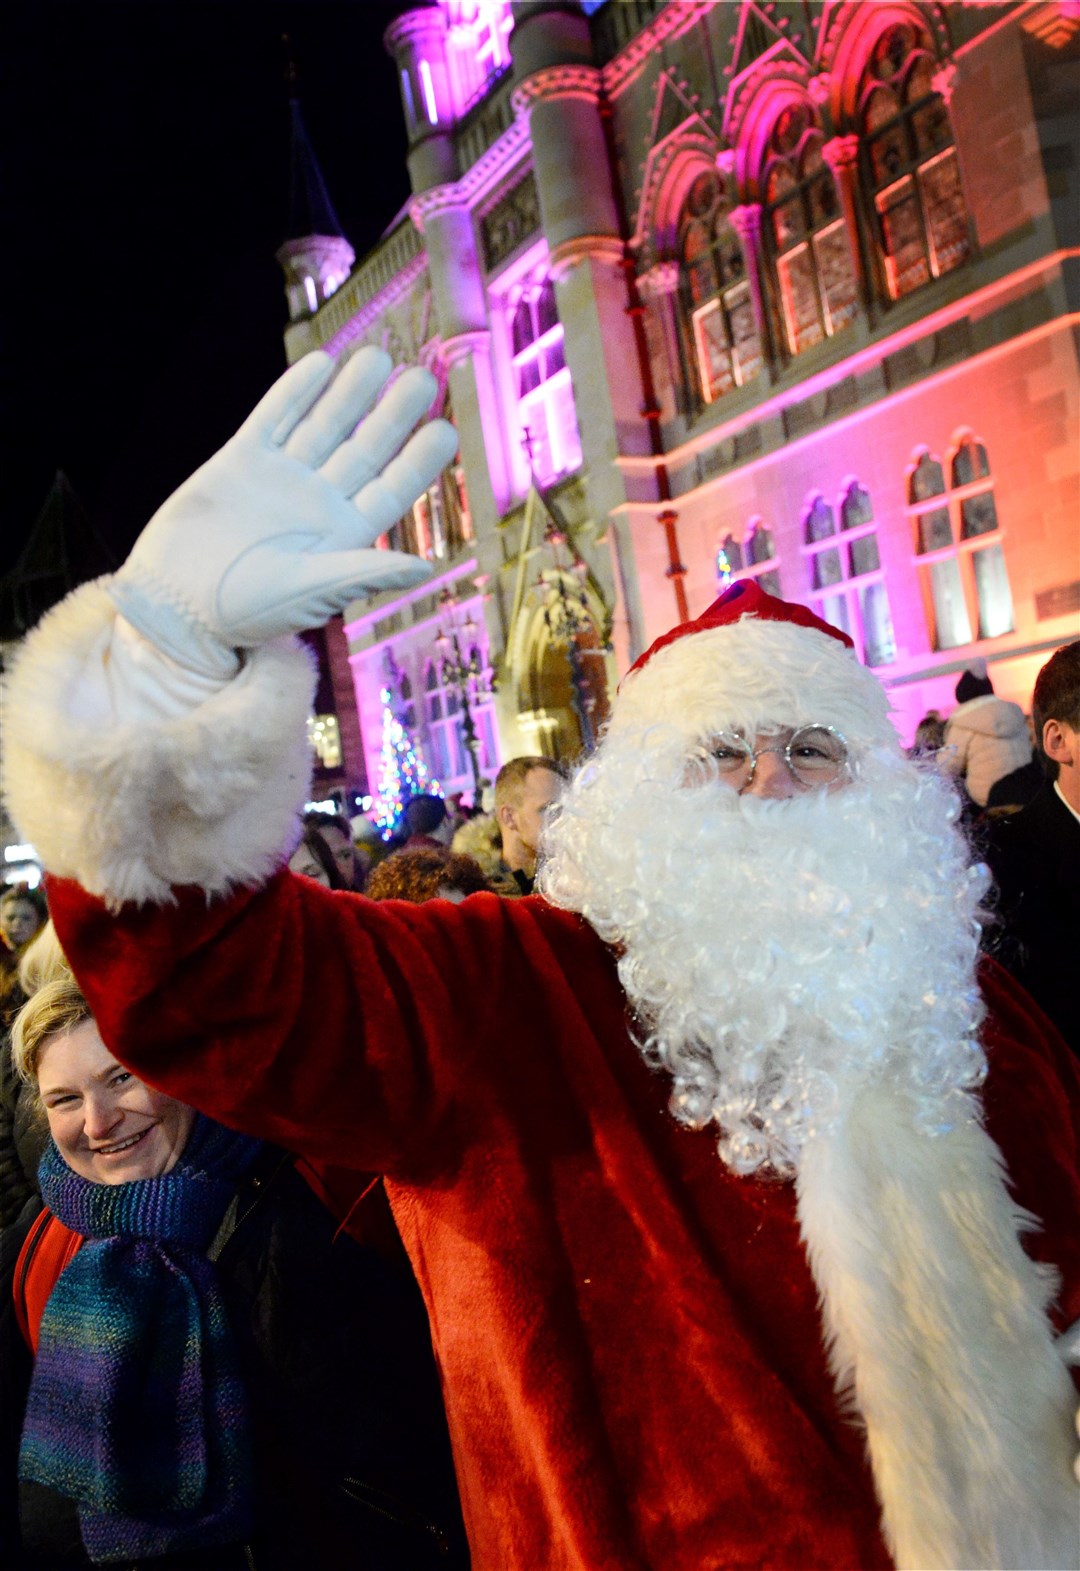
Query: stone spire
[[317, 258]]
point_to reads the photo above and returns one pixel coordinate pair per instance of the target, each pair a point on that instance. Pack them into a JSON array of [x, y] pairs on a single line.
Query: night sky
[[146, 189]]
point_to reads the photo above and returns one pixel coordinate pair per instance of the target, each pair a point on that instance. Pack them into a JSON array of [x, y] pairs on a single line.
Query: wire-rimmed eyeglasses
[[816, 755]]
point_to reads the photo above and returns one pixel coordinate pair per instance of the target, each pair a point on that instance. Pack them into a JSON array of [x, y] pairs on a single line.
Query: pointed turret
[[316, 259], [62, 551]]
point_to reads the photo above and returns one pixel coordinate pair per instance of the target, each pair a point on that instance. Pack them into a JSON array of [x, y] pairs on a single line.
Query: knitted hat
[[745, 598], [973, 684]]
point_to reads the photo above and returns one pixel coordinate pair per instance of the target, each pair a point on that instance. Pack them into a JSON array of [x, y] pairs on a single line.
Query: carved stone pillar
[[746, 222], [457, 290], [562, 105], [841, 154]]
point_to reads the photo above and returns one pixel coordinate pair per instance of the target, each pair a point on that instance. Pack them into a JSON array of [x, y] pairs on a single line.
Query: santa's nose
[[772, 778]]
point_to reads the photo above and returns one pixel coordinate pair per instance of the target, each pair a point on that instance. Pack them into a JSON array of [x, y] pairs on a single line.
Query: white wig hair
[[779, 955]]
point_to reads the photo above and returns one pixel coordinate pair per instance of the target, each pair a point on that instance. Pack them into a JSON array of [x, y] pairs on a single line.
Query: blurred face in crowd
[[522, 822], [340, 847], [540, 790], [108, 1126], [19, 921], [304, 860]]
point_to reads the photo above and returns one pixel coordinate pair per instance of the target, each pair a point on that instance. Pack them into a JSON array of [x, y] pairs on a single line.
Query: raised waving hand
[[274, 533]]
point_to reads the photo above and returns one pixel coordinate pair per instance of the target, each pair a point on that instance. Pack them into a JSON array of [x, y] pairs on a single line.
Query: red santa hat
[[752, 659], [746, 598]]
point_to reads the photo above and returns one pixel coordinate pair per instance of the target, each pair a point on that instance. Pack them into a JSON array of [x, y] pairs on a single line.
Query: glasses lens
[[731, 754], [817, 756]]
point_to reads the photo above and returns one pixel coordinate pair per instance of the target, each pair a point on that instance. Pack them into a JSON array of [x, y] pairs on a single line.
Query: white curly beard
[[779, 956]]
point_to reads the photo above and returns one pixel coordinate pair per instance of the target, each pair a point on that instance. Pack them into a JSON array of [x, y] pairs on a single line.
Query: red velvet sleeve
[[337, 1028], [1033, 1113]]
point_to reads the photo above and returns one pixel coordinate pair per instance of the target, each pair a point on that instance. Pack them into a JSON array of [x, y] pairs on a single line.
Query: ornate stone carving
[[746, 222], [841, 152], [671, 22], [437, 199], [820, 88], [515, 217], [943, 81], [660, 280], [462, 346], [557, 81], [565, 257]]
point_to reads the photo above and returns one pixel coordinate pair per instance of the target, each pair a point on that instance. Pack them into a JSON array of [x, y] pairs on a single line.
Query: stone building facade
[[716, 290]]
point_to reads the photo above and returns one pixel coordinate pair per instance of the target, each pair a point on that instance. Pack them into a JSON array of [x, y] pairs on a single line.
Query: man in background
[[1035, 856], [524, 790]]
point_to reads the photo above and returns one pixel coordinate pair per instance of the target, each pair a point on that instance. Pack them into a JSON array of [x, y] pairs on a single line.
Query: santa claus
[[745, 1212]]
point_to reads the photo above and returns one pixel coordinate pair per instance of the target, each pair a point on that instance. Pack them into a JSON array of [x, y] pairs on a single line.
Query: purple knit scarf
[[136, 1410]]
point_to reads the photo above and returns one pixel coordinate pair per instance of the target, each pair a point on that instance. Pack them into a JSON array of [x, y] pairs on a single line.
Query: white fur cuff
[[129, 803]]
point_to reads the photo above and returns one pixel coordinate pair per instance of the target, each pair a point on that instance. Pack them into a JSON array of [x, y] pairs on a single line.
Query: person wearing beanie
[[986, 737], [745, 1210], [427, 823]]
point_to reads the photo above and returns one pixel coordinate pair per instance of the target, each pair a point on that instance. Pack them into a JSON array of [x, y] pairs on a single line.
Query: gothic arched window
[[717, 306], [752, 557], [847, 586], [910, 165], [958, 542], [805, 234]]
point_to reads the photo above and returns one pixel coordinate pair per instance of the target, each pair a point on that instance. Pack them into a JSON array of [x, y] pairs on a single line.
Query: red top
[[48, 1249]]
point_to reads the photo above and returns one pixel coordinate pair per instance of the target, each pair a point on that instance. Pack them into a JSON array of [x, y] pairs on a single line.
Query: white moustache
[[781, 955]]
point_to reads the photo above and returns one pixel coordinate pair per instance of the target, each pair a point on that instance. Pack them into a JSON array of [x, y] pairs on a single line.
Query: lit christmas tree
[[402, 772]]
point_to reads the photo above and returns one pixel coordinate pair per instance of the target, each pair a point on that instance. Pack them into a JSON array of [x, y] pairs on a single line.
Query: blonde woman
[[211, 1376]]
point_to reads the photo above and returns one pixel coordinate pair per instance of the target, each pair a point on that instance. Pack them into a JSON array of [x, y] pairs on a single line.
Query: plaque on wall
[[1061, 600]]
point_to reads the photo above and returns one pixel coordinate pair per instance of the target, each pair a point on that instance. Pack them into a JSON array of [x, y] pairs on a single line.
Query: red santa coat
[[629, 1334]]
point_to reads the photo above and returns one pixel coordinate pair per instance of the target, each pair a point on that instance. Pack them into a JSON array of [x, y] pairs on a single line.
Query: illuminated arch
[[670, 171], [771, 98], [848, 36]]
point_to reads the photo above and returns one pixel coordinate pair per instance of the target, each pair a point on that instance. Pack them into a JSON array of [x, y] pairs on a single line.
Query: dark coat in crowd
[[1035, 858], [22, 1139], [352, 1459]]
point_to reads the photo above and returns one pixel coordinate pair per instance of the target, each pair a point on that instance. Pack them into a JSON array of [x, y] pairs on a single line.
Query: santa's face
[[781, 945], [777, 763]]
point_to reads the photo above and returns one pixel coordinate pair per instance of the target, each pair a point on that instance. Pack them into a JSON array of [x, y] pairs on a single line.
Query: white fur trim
[[753, 672], [129, 803], [936, 1321]]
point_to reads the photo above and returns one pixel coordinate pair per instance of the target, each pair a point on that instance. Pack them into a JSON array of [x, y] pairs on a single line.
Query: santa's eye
[[729, 753]]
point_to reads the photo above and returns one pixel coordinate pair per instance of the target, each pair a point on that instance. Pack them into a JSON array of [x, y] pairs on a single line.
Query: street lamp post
[[465, 674]]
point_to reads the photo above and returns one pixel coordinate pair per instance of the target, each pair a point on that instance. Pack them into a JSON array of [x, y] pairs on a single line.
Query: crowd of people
[[657, 1172]]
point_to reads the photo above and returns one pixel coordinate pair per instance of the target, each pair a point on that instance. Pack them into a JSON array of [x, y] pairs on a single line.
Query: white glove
[[271, 535]]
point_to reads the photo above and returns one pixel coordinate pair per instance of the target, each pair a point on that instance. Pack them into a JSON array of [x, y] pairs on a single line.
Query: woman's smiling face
[[109, 1127]]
